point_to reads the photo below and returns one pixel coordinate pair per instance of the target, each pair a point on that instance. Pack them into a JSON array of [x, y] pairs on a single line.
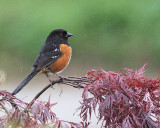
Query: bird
[[53, 58]]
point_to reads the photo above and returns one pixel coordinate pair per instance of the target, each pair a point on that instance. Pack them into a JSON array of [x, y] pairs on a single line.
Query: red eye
[[61, 34]]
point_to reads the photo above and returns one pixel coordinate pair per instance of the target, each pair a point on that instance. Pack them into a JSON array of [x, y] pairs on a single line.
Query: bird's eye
[[61, 34]]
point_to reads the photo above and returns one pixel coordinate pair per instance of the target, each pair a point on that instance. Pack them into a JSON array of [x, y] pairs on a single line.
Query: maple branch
[[75, 82], [43, 90]]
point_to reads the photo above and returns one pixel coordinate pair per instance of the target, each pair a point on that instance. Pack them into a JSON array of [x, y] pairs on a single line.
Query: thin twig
[[43, 90]]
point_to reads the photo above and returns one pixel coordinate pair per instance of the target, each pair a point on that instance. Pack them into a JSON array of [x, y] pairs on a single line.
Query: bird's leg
[[60, 77], [49, 78]]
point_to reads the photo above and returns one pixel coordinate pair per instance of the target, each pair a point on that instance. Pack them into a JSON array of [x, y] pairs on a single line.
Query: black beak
[[69, 34]]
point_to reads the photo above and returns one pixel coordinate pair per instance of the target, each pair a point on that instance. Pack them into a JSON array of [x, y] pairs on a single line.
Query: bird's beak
[[69, 34]]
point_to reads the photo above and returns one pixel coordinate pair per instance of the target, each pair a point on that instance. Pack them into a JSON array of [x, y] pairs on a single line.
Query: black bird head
[[59, 36]]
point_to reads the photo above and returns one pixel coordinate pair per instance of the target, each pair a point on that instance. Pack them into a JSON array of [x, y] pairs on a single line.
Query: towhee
[[53, 57]]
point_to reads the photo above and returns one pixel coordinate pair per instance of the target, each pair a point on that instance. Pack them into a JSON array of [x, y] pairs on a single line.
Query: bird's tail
[[24, 82]]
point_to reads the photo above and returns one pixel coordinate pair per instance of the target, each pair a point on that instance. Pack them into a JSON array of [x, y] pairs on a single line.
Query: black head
[[59, 36]]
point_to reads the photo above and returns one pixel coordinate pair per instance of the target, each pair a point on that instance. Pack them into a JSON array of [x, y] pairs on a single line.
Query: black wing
[[46, 57]]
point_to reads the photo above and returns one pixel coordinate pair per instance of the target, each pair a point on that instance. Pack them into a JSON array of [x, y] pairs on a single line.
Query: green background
[[112, 34]]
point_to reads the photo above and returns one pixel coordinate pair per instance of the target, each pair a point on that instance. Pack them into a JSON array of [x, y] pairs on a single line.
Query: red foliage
[[16, 114], [123, 100]]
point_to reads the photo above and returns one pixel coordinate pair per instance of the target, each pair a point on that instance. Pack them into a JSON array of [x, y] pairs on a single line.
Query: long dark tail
[[24, 82]]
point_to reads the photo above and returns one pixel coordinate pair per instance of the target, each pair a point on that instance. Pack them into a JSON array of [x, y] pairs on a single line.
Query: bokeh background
[[107, 34]]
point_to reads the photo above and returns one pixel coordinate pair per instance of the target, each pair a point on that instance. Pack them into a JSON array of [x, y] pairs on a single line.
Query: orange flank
[[63, 61]]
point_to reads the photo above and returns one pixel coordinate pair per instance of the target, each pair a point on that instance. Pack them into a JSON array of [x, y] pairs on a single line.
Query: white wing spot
[[56, 49], [54, 57]]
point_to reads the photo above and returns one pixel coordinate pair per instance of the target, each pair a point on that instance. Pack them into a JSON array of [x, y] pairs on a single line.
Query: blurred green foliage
[[117, 32]]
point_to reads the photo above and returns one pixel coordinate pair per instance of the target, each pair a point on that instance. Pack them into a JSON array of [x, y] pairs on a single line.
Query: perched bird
[[53, 57]]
